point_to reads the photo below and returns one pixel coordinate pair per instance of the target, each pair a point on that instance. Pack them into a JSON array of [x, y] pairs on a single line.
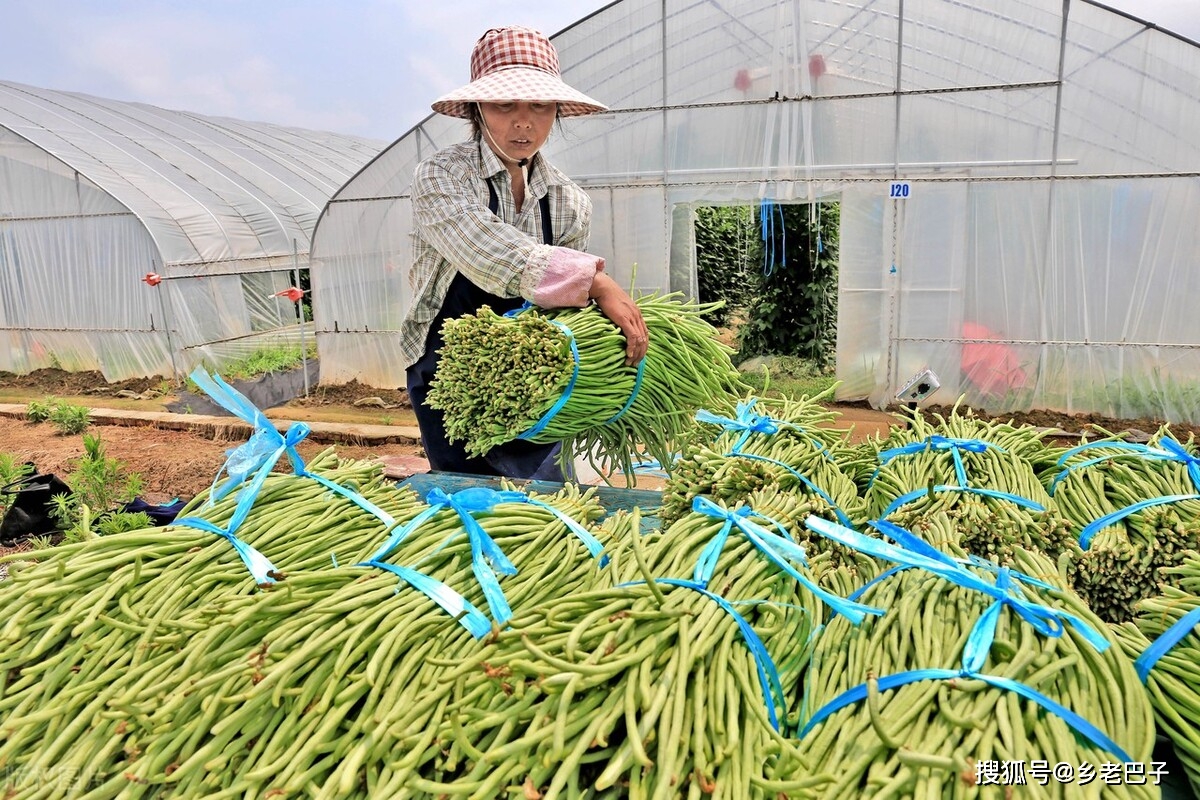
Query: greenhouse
[[138, 241], [1018, 185]]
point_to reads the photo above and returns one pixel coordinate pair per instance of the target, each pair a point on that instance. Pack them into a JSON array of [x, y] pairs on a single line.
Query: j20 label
[[899, 190]]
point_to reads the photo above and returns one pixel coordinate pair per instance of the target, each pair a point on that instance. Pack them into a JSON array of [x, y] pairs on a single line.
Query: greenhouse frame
[[139, 241], [1018, 184]]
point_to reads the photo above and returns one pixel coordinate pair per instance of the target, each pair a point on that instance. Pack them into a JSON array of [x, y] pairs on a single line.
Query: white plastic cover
[[1041, 252], [96, 193]]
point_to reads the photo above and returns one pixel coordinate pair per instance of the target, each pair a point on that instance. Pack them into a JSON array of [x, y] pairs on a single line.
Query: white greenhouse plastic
[[96, 193], [1041, 253]]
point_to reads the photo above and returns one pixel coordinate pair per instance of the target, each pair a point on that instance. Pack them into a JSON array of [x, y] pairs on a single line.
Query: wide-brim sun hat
[[512, 65]]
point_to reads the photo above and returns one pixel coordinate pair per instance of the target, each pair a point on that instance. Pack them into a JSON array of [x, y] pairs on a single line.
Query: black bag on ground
[[160, 515], [30, 501]]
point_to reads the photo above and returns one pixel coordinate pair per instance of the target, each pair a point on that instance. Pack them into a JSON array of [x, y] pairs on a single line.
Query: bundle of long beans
[[761, 442], [148, 663], [503, 378], [996, 499], [638, 688], [1171, 678], [1137, 510], [837, 568], [924, 735]]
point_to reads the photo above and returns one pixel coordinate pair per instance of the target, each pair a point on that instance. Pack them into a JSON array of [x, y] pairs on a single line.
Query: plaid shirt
[[502, 253]]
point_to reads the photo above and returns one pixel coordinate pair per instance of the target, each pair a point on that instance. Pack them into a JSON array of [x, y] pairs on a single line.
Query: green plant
[[264, 361], [794, 306], [98, 485], [11, 469], [727, 249], [70, 419], [39, 543], [791, 377], [40, 410], [122, 521]]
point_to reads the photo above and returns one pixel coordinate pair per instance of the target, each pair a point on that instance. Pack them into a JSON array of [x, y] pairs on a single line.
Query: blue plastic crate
[[611, 498]]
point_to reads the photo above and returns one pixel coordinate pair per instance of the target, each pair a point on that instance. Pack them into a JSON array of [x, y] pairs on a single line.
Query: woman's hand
[[619, 307]]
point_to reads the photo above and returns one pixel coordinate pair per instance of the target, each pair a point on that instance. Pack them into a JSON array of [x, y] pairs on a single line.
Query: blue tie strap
[[637, 387], [939, 443], [453, 603], [955, 447], [817, 490], [260, 567], [248, 466], [486, 556], [1075, 721], [1092, 528], [768, 674], [1169, 450], [749, 422], [1167, 640], [777, 547], [541, 424], [911, 551], [916, 494]]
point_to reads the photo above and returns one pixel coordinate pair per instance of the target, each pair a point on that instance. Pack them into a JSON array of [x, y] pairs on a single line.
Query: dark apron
[[515, 459]]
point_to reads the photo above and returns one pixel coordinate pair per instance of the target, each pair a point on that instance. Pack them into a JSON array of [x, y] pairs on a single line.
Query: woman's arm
[[504, 261], [496, 256]]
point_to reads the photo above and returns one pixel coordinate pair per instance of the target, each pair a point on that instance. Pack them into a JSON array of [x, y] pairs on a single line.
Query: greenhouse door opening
[[775, 265]]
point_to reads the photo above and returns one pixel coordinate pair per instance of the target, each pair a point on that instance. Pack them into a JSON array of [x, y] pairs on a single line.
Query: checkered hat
[[516, 64]]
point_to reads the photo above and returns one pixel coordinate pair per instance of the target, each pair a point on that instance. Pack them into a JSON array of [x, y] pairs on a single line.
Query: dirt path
[[171, 463]]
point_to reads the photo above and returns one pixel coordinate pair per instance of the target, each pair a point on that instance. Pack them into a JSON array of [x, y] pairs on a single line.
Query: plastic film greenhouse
[[138, 241], [1017, 185]]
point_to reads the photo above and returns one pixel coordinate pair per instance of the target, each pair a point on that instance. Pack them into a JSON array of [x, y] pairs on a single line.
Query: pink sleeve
[[567, 279]]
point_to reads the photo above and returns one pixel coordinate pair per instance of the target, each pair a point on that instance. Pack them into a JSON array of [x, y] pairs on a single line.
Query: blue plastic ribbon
[[768, 674], [541, 424], [955, 447], [749, 422], [253, 461], [450, 601], [767, 211], [648, 467], [486, 556], [943, 443], [777, 547], [841, 515], [912, 551], [1081, 725], [266, 445], [259, 565], [1169, 638], [1094, 527], [637, 387], [512, 312], [944, 487], [1171, 450]]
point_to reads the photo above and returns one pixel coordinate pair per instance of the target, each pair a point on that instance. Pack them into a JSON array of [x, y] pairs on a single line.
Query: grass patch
[[790, 377], [264, 361]]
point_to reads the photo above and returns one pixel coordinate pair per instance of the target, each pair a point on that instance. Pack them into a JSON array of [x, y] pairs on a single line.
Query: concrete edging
[[226, 427]]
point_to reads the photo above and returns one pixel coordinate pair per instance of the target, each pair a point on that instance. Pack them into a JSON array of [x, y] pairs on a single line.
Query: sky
[[364, 67]]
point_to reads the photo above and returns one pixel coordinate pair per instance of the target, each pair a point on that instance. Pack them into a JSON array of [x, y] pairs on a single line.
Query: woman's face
[[518, 129]]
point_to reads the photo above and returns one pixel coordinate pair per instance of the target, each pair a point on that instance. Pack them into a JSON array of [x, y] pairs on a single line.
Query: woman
[[496, 224]]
